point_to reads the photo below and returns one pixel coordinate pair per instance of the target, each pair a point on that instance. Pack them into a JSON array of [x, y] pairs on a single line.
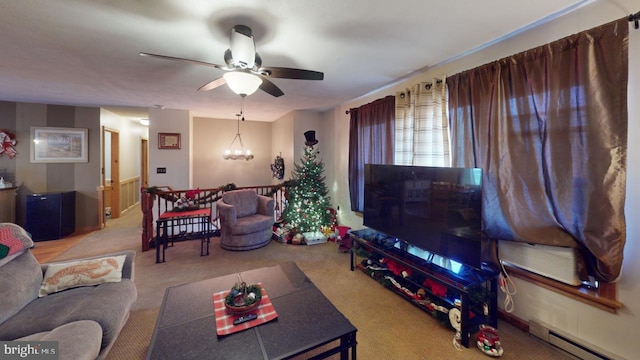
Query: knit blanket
[[13, 240]]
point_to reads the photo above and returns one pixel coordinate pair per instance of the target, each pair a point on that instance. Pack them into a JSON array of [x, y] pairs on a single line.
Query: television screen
[[437, 209]]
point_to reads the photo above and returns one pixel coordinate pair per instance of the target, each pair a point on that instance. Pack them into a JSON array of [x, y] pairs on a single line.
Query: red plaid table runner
[[224, 321]]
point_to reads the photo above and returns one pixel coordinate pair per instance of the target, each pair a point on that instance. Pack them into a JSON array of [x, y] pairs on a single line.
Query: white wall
[[338, 182], [176, 161], [615, 333], [282, 134]]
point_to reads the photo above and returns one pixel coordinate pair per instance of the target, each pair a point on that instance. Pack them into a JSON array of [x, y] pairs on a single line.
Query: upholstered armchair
[[246, 220]]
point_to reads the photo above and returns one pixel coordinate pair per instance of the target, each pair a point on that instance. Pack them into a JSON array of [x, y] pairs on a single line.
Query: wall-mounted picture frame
[[59, 145], [168, 140]]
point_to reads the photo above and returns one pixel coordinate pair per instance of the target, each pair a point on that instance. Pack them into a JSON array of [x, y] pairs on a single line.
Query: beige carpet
[[388, 326]]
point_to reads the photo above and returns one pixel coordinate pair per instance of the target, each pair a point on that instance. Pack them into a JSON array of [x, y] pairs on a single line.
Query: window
[[548, 126]]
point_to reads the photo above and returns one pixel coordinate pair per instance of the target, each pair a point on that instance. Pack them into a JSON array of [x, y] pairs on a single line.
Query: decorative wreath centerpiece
[[187, 202], [243, 298]]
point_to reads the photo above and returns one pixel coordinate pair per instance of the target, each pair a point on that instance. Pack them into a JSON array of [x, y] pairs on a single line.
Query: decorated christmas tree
[[308, 208]]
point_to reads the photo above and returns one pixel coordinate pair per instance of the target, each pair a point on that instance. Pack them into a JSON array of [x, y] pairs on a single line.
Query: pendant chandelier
[[238, 153]]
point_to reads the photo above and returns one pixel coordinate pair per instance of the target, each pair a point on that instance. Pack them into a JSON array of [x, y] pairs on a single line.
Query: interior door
[[144, 163], [111, 173]]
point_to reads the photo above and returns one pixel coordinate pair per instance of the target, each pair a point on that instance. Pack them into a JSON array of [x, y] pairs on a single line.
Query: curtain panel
[[371, 140], [422, 127], [549, 128]]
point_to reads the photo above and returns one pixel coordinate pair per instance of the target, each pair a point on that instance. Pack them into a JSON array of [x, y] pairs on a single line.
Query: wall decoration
[[59, 145], [7, 142], [277, 168], [168, 141]]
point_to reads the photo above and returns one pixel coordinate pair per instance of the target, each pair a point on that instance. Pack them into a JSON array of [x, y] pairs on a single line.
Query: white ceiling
[[86, 52]]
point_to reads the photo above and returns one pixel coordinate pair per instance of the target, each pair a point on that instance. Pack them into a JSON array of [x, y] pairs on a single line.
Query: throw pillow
[[14, 240], [62, 276]]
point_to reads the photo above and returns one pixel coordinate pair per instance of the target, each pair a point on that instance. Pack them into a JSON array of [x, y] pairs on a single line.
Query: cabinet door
[[43, 216], [8, 205]]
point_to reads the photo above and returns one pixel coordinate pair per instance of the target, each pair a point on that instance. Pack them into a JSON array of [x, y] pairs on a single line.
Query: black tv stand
[[416, 276]]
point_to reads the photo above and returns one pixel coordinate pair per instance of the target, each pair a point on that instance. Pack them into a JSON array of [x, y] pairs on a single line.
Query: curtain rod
[[636, 19], [438, 81]]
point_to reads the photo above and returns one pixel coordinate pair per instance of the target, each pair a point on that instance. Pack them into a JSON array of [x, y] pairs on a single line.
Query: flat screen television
[[437, 209]]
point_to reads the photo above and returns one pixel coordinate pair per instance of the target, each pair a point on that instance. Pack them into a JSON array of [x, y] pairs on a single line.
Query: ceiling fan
[[244, 72]]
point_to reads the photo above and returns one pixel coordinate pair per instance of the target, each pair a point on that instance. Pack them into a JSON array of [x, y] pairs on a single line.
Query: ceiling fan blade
[[198, 62], [212, 84], [289, 73], [270, 88]]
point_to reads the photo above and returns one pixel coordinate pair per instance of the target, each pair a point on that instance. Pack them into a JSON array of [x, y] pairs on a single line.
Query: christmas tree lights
[[308, 204]]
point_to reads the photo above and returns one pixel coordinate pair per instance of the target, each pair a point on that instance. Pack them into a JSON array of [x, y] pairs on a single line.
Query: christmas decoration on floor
[[286, 234], [488, 341], [308, 217]]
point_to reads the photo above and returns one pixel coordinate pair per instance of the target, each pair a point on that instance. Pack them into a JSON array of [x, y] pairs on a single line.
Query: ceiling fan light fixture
[[242, 83]]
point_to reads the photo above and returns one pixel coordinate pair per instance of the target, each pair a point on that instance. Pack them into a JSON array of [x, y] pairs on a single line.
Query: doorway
[[111, 172]]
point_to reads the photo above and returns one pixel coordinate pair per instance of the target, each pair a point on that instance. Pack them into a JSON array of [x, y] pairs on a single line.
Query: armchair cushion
[[245, 202], [251, 224]]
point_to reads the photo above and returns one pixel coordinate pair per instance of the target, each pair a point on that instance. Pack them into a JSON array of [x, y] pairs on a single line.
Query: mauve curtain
[[549, 128], [422, 127], [371, 136]]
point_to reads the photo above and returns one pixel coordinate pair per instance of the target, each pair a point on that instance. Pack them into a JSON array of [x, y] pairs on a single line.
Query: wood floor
[[44, 251]]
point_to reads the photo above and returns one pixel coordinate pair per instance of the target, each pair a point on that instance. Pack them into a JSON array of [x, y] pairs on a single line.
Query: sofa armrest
[[227, 214], [77, 340], [127, 267], [265, 205]]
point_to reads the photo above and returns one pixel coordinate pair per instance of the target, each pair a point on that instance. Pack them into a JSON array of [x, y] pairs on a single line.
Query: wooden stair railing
[[206, 198]]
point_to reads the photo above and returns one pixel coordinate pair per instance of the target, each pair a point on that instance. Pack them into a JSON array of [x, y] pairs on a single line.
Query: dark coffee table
[[186, 326]]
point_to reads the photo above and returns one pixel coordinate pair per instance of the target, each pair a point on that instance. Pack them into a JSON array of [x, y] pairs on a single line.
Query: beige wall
[[289, 139], [212, 136]]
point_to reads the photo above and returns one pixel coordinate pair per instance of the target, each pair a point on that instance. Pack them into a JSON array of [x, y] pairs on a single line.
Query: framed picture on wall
[[59, 145], [168, 141]]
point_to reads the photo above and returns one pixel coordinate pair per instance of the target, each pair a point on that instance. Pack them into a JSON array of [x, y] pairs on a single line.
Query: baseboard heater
[[555, 262], [567, 342]]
